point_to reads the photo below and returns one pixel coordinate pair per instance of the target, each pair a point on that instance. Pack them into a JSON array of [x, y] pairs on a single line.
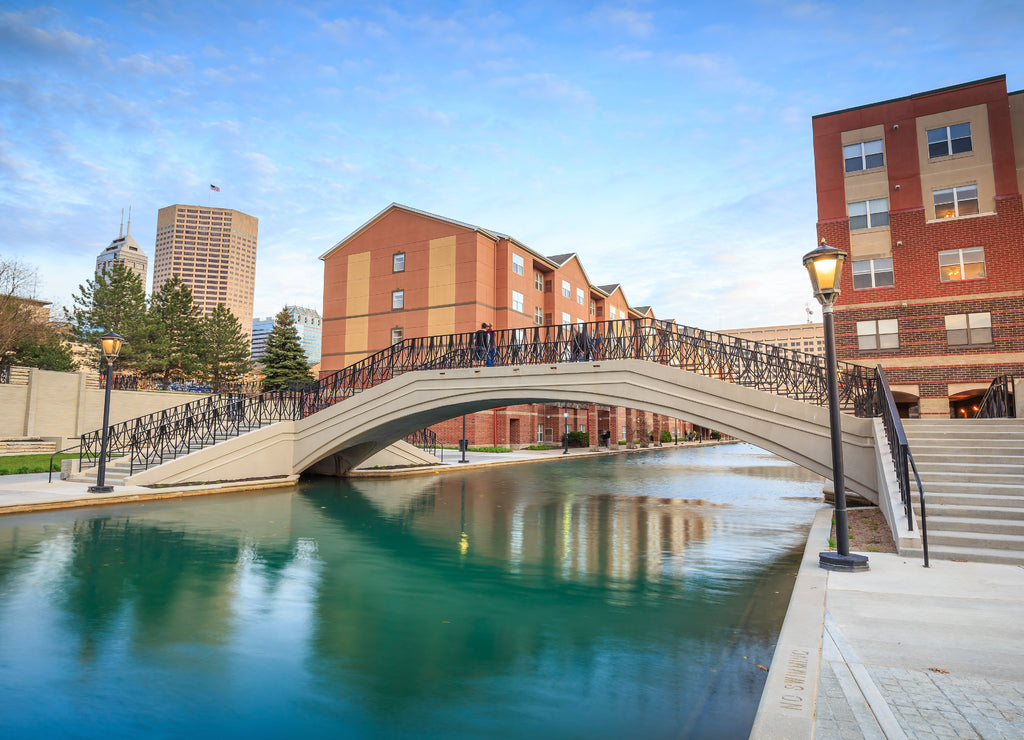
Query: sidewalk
[[900, 651]]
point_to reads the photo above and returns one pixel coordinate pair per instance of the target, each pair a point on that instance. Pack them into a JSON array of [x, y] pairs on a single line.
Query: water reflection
[[542, 600]]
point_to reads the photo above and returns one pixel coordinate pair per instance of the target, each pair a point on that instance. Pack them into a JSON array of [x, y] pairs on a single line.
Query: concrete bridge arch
[[349, 432]]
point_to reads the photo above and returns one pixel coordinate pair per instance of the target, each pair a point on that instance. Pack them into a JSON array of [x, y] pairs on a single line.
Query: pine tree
[[47, 351], [174, 333], [226, 348], [285, 364], [114, 301]]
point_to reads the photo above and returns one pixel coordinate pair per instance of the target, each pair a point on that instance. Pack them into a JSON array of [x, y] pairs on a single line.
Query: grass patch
[[38, 463], [541, 447]]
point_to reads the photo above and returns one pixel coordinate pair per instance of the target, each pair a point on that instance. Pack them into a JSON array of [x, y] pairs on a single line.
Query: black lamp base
[[100, 489], [834, 561]]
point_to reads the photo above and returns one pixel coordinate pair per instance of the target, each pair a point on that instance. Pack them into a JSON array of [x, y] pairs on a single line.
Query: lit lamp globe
[[825, 266], [111, 343]]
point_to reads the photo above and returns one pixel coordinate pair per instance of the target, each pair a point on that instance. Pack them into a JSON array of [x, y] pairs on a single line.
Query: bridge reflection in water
[[590, 598]]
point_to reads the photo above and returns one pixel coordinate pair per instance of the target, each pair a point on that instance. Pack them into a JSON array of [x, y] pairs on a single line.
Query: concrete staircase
[[972, 471]]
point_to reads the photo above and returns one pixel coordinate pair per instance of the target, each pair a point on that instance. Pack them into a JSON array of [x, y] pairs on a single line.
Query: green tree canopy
[[175, 333], [225, 348], [47, 350], [115, 300], [285, 364]]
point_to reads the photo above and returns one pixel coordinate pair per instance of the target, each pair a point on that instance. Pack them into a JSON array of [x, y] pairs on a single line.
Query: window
[[872, 274], [953, 202], [538, 281], [864, 156], [611, 312], [593, 308], [580, 299], [397, 299], [878, 334], [398, 262], [566, 289], [869, 214], [397, 334], [949, 140], [566, 321], [517, 301], [969, 328], [517, 264], [538, 315], [962, 264]]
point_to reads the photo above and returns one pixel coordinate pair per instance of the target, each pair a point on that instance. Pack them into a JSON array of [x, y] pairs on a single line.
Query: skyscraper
[[307, 323], [213, 251], [125, 250]]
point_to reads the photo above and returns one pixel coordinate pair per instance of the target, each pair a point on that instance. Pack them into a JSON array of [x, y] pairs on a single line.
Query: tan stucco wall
[[59, 405]]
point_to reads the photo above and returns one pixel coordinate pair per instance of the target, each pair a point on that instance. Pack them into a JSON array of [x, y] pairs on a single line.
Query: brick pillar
[[630, 429], [592, 432], [656, 421]]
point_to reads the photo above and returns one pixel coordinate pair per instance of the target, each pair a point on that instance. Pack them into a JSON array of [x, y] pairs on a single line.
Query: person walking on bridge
[[480, 343]]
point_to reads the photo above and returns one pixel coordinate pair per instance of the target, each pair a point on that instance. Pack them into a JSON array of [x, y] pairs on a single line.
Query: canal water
[[626, 596]]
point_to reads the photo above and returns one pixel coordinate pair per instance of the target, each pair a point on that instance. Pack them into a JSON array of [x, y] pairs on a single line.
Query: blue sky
[[668, 143]]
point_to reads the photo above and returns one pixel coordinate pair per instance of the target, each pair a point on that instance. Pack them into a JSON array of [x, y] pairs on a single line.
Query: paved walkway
[[899, 651]]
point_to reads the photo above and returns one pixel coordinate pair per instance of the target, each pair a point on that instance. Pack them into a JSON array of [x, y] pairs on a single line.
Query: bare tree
[[23, 317]]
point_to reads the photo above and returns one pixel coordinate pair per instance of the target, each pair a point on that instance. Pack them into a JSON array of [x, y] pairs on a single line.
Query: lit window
[[949, 140], [953, 202], [864, 156], [538, 315], [397, 334], [872, 274], [397, 299], [962, 264], [517, 301], [868, 214], [580, 299], [538, 281], [878, 334], [399, 263], [566, 289], [566, 320], [969, 328], [517, 264]]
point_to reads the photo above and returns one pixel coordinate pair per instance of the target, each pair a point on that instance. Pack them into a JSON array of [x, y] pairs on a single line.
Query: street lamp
[[565, 437], [825, 266], [111, 343]]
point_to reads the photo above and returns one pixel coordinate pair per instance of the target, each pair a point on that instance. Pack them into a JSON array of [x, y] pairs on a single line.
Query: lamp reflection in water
[[825, 267]]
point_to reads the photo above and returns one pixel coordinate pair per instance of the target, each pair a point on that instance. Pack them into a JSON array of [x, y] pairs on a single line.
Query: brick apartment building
[[407, 273], [924, 195]]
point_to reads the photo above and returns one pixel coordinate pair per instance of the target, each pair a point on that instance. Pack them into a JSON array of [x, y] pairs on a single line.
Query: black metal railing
[[998, 402], [128, 382], [5, 373], [159, 437], [426, 440], [901, 457]]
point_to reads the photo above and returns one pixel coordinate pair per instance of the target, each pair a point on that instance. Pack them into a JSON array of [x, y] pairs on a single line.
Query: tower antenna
[[120, 232]]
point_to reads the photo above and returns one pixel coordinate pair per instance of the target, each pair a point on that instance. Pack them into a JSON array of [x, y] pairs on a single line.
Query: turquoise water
[[630, 596]]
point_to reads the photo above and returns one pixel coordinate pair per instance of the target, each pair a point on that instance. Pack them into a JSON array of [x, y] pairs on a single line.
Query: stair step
[[995, 465], [969, 554], [970, 500], [971, 512], [976, 525], [977, 539]]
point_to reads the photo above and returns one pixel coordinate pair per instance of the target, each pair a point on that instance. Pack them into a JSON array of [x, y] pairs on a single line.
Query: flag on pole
[[214, 187]]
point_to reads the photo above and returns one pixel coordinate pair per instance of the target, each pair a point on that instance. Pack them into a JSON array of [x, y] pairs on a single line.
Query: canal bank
[[899, 651]]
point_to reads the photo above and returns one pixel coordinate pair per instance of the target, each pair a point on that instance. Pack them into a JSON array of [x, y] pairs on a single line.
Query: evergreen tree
[[226, 348], [47, 351], [285, 364], [114, 301], [174, 339]]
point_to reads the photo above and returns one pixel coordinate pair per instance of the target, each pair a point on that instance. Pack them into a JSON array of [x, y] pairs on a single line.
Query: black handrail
[[998, 402], [901, 457], [159, 437], [426, 440]]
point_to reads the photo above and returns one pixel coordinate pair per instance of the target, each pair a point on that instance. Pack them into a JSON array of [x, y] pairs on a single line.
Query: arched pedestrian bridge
[[768, 396]]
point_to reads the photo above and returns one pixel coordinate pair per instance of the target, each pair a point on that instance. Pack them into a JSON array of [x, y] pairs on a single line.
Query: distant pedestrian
[[491, 348], [480, 338]]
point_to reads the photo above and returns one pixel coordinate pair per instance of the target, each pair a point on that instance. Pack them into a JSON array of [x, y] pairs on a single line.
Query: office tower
[[213, 251], [125, 250], [307, 323], [923, 193]]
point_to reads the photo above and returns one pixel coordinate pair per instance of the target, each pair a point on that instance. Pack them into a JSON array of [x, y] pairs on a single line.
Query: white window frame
[[611, 312], [397, 300], [875, 213], [865, 155], [958, 261], [875, 270], [878, 334], [517, 301], [538, 281], [580, 298], [397, 334], [398, 262], [518, 265], [961, 194], [964, 329], [566, 319], [945, 141], [566, 289], [538, 315]]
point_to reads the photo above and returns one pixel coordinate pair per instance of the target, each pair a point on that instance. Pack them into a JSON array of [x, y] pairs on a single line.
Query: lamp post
[[825, 266], [565, 436], [111, 343]]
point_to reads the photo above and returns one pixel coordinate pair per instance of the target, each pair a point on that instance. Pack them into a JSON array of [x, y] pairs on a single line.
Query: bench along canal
[[617, 596]]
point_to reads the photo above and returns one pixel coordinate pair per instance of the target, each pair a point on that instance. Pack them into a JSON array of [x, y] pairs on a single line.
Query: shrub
[[579, 439], [715, 435], [666, 435]]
